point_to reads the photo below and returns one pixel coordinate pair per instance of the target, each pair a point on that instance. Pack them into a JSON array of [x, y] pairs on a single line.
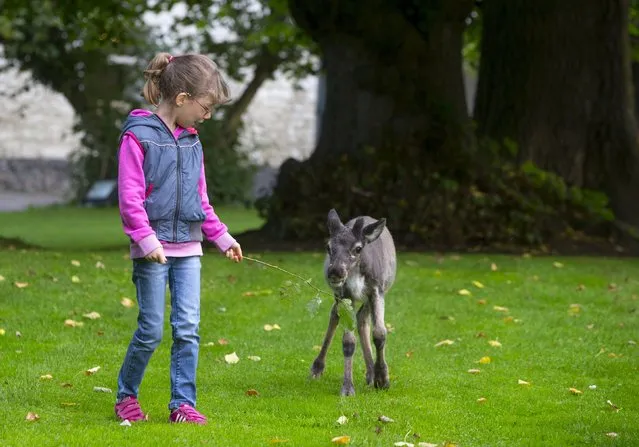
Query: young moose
[[360, 265]]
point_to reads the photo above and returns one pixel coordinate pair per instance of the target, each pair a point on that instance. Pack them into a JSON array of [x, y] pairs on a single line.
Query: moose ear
[[372, 231], [334, 223]]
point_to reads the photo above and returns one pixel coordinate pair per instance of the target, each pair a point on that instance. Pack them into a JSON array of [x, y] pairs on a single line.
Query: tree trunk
[[393, 75], [555, 78]]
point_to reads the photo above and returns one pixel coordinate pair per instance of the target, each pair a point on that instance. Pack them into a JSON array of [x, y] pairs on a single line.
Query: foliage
[[438, 201]]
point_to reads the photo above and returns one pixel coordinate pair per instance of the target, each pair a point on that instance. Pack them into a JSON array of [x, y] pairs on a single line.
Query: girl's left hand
[[234, 253]]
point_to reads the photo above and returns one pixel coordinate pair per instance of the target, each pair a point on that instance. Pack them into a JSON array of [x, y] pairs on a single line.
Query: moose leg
[[348, 346], [318, 365], [379, 338], [364, 329]]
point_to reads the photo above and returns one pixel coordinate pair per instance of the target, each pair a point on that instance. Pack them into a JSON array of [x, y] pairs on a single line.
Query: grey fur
[[363, 277]]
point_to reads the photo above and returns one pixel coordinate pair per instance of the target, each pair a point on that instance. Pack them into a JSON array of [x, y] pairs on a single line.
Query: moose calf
[[360, 265]]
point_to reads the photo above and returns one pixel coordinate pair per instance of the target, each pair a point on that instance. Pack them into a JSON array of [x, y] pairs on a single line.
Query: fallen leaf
[[101, 389], [125, 423], [21, 285], [500, 309], [252, 392], [409, 354], [99, 265], [478, 284], [590, 326], [258, 292], [389, 327], [480, 334], [593, 387], [385, 419], [523, 382], [403, 444], [581, 287], [92, 315], [2, 331], [46, 377], [73, 323], [574, 309], [613, 406], [75, 263], [484, 360], [493, 267], [18, 334], [632, 342], [278, 441], [342, 420], [1, 278], [66, 385], [255, 358], [464, 292], [75, 279], [575, 391], [269, 327], [223, 341], [127, 302], [612, 286], [68, 404], [474, 371], [612, 434], [482, 400], [90, 372], [210, 344], [341, 440], [231, 358], [427, 444], [557, 264], [32, 417], [612, 355], [481, 302], [444, 343], [317, 348]]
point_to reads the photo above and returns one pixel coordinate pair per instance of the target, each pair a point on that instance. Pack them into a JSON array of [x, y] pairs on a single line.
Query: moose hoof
[[317, 369], [382, 380], [347, 390]]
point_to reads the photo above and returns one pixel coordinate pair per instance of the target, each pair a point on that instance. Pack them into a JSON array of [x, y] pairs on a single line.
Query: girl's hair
[[195, 74]]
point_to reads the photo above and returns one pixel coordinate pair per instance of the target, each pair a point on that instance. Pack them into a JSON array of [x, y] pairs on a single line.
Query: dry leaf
[[341, 440], [90, 372], [403, 444], [101, 389], [258, 292], [389, 327], [32, 417], [444, 343], [593, 387], [427, 444], [252, 392], [18, 334], [484, 360], [125, 423], [269, 327], [278, 441], [612, 286], [66, 385], [73, 323], [92, 315], [581, 287], [557, 264], [481, 302], [575, 391], [231, 358], [68, 404], [210, 344], [223, 341], [99, 265], [612, 434], [75, 263], [75, 279], [255, 358], [523, 382], [613, 406], [464, 292], [409, 354], [1, 278], [574, 309], [342, 420], [385, 419], [317, 348], [478, 284], [493, 267], [632, 342], [2, 331], [21, 285], [482, 400], [590, 326], [500, 309], [127, 302], [46, 377], [474, 371]]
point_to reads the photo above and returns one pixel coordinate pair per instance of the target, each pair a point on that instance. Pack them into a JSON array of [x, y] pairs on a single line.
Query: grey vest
[[171, 173]]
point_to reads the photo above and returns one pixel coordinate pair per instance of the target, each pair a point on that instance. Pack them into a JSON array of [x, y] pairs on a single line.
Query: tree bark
[[555, 78], [393, 73]]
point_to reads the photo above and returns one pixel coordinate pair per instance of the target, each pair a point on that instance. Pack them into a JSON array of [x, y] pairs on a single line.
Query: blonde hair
[[195, 74]]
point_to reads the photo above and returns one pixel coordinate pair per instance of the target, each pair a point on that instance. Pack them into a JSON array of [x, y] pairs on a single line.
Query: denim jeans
[[150, 279]]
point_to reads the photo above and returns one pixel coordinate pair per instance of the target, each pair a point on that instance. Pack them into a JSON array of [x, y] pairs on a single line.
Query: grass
[[432, 394], [76, 228]]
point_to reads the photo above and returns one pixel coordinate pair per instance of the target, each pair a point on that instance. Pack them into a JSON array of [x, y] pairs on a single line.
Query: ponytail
[[154, 69]]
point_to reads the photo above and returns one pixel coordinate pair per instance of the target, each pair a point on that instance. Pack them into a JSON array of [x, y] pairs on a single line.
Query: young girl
[[165, 209]]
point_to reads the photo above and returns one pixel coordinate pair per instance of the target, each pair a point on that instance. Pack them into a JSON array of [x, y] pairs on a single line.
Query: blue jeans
[[150, 278]]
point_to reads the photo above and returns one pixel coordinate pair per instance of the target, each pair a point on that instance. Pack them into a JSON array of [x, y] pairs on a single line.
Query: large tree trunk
[[393, 73], [555, 77]]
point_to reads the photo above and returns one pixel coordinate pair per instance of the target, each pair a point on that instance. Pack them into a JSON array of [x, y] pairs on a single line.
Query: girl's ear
[[180, 99]]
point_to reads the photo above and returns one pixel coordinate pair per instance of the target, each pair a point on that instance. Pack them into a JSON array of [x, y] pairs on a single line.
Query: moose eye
[[357, 249]]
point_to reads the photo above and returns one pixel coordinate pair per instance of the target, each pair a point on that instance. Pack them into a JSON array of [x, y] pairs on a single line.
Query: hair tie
[[170, 58]]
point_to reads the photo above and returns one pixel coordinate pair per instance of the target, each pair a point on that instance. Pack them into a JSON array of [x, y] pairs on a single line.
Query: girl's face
[[192, 111]]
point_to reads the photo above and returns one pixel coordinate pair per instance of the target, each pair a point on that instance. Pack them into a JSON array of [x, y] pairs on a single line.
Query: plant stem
[[306, 281]]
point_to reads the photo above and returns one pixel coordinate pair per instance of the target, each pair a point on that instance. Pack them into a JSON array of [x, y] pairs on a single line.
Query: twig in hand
[[306, 281]]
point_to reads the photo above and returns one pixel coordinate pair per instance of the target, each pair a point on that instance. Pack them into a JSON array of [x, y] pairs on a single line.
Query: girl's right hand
[[156, 255]]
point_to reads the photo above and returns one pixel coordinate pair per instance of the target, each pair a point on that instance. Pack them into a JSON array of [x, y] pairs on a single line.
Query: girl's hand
[[156, 255], [234, 253]]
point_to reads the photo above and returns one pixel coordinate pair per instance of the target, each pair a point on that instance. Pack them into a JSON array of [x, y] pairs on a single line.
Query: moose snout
[[336, 273]]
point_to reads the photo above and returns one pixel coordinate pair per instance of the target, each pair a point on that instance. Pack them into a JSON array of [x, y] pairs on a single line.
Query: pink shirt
[[132, 193]]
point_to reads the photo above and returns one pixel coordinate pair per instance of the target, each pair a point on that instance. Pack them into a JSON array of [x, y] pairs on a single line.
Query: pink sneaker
[[187, 413], [129, 409]]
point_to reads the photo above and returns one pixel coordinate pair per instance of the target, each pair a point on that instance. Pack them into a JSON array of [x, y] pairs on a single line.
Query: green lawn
[[433, 398], [76, 228]]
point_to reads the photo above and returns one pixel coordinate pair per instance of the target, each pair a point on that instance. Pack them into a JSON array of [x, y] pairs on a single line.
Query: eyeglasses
[[206, 109]]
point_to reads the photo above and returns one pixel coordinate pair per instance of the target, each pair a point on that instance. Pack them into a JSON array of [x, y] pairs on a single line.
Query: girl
[[165, 209]]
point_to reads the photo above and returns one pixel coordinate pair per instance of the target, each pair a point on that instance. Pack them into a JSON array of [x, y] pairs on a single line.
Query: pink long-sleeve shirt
[[131, 196]]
